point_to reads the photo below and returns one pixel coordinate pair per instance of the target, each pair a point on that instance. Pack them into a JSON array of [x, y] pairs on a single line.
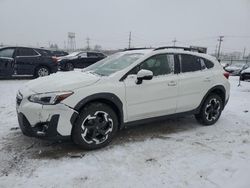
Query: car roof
[[169, 50], [41, 48]]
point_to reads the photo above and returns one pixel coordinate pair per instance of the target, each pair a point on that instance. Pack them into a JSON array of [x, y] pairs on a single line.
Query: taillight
[[226, 74], [54, 59]]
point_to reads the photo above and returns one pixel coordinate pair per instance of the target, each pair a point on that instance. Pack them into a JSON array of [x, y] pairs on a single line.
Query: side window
[[26, 52], [93, 55], [161, 64], [83, 54], [190, 63], [45, 52], [208, 64], [100, 55], [7, 52]]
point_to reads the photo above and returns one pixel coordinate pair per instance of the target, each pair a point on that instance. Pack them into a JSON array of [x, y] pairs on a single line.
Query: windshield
[[113, 64]]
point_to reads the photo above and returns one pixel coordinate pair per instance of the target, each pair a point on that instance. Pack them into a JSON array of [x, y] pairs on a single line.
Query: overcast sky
[[108, 22]]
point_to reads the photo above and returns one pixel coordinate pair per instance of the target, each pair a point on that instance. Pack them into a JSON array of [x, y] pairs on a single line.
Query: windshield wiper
[[95, 73]]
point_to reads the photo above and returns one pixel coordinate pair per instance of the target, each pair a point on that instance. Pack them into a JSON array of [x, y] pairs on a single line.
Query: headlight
[[50, 98]]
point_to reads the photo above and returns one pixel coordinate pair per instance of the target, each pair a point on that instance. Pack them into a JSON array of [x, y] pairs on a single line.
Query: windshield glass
[[113, 64]]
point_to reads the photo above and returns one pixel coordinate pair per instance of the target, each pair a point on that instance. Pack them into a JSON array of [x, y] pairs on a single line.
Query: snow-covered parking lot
[[173, 153]]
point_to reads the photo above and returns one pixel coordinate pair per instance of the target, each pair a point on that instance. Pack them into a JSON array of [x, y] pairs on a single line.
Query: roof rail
[[130, 49], [193, 49], [172, 47]]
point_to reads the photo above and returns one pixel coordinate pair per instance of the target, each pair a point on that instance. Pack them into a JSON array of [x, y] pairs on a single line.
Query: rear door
[[6, 62], [26, 60], [194, 82]]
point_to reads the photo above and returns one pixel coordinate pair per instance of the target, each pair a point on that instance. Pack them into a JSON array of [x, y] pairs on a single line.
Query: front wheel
[[210, 110], [42, 71], [96, 126]]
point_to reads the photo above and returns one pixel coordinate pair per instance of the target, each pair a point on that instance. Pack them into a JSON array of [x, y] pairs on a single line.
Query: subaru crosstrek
[[129, 87]]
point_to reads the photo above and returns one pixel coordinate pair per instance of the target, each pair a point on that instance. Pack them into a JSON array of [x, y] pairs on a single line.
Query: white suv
[[129, 87]]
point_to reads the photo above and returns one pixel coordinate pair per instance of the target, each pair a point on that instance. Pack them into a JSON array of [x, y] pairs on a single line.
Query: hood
[[61, 81], [246, 70]]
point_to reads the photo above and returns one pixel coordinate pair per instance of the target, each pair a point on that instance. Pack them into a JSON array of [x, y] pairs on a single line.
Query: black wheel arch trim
[[217, 87], [108, 98]]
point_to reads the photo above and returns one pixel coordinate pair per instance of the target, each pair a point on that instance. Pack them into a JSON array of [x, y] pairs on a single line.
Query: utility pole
[[88, 43], [220, 41], [244, 53], [216, 48], [129, 40], [174, 41]]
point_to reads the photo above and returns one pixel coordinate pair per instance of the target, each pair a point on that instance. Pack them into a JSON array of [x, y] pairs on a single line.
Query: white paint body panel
[[162, 95]]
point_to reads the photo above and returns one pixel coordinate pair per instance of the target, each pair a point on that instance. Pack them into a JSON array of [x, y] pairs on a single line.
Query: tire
[[42, 71], [95, 127], [69, 66], [210, 111]]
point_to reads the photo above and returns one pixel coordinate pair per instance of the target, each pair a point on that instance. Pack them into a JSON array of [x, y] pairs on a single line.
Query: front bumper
[[44, 121], [45, 130]]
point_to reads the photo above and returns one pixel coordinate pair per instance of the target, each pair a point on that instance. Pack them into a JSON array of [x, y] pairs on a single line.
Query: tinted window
[[26, 52], [59, 53], [208, 64], [100, 55], [7, 52], [159, 64], [44, 52], [90, 54], [190, 63]]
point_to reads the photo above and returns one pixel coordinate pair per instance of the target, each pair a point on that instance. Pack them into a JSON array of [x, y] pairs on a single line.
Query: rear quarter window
[[208, 64]]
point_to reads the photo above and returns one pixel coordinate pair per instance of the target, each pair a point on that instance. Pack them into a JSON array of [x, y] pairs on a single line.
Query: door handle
[[172, 83], [207, 79]]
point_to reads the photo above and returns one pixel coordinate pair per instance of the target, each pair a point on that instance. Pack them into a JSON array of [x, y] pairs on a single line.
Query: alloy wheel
[[212, 109], [96, 128], [43, 72]]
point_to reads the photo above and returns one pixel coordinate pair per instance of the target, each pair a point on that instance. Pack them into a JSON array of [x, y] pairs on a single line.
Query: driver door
[[156, 97]]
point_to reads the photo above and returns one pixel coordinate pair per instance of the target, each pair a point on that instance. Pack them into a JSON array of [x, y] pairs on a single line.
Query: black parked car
[[79, 60], [59, 53], [26, 61]]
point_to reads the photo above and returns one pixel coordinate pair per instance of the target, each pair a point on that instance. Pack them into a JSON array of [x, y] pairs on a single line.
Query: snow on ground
[[173, 153]]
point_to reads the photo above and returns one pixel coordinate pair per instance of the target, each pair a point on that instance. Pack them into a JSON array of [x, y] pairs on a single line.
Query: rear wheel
[[96, 126], [69, 67], [210, 110], [42, 71]]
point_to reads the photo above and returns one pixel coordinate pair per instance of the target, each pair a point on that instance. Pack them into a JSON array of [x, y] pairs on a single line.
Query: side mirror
[[144, 75]]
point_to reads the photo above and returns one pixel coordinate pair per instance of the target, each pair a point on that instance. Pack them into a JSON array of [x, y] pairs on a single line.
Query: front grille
[[19, 98]]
